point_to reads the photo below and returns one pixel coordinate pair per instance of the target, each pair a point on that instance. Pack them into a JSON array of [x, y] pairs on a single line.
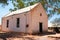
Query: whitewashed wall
[[36, 18], [12, 23], [31, 18]]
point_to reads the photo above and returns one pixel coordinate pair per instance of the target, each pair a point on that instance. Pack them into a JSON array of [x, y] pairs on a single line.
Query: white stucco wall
[[12, 23], [36, 18], [31, 18]]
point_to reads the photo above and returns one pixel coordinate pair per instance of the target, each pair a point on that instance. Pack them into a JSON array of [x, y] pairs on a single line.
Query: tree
[[54, 4], [18, 4], [4, 2]]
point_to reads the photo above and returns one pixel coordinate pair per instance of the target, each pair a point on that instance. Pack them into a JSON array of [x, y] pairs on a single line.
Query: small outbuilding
[[28, 20]]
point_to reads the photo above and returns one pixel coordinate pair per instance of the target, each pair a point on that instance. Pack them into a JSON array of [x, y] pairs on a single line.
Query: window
[[18, 22], [7, 23], [27, 26], [40, 14]]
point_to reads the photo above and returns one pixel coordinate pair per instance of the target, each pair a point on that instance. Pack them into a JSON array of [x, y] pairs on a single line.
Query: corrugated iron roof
[[22, 10]]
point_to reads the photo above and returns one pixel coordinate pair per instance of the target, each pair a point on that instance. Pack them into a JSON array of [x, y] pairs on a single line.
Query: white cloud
[[49, 24]]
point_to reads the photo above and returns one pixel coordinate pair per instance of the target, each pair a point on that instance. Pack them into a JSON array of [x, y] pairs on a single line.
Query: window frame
[[40, 14], [7, 24], [17, 22]]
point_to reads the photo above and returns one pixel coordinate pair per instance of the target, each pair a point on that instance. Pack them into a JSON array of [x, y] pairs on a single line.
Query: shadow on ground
[[20, 35]]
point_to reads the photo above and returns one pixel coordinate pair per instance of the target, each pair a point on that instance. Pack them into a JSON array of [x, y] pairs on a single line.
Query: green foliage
[[12, 9], [3, 1], [59, 10], [43, 2], [18, 4], [31, 3]]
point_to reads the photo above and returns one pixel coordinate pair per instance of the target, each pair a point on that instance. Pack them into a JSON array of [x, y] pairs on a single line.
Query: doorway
[[40, 26]]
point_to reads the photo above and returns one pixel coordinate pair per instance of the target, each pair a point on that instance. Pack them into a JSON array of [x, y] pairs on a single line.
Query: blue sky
[[4, 11]]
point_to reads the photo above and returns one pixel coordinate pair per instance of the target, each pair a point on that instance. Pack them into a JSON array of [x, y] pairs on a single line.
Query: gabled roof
[[26, 9]]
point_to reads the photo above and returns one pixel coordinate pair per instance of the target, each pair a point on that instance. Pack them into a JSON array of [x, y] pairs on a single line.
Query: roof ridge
[[22, 10]]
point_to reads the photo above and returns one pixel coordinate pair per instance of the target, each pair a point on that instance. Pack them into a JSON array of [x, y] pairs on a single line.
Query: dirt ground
[[30, 37]]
